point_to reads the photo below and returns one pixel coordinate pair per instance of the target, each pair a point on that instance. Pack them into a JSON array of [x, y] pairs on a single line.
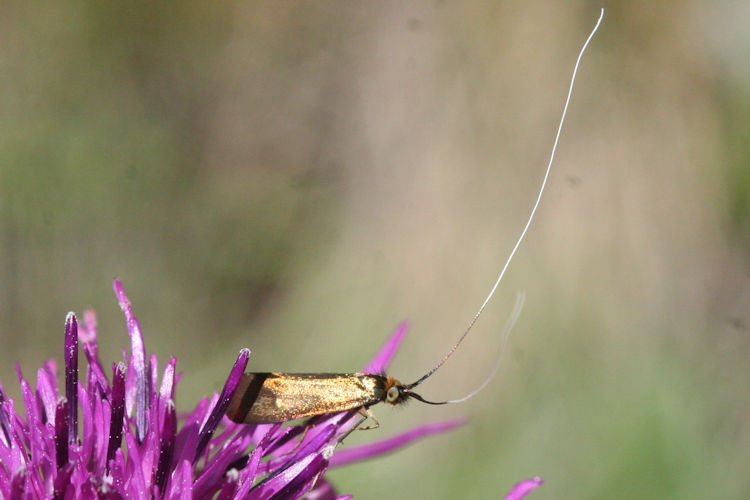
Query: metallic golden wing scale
[[264, 398]]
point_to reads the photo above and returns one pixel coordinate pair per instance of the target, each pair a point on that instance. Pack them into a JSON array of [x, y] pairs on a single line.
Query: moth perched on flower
[[132, 444]]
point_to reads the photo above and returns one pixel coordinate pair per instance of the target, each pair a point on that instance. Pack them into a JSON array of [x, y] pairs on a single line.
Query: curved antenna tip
[[531, 216]]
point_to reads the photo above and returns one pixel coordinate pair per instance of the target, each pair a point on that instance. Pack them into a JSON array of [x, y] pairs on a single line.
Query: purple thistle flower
[[132, 445]]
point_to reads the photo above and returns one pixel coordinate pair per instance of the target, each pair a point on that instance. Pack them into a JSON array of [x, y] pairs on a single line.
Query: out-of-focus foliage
[[299, 177]]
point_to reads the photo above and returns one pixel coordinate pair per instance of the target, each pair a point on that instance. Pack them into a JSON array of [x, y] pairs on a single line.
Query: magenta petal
[[102, 419], [166, 391], [18, 485], [117, 470], [35, 432], [89, 320], [5, 423], [298, 474], [87, 413], [87, 337], [153, 376], [62, 481], [61, 432], [323, 491], [50, 367], [181, 484], [187, 439], [134, 466], [523, 488], [137, 360], [228, 489], [370, 450], [71, 375], [47, 393], [246, 475], [118, 410], [223, 403], [277, 466], [216, 472], [383, 358], [302, 483], [166, 446]]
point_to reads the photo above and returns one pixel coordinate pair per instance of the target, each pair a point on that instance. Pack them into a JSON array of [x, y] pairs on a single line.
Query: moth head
[[397, 393], [394, 392]]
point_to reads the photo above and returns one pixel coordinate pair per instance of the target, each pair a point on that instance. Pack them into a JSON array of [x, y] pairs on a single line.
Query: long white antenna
[[506, 333], [531, 216]]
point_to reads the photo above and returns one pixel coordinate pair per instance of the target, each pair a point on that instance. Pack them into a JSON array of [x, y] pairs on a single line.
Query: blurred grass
[[298, 178]]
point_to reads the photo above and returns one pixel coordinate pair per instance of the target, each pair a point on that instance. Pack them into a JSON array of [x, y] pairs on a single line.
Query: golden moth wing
[[263, 398]]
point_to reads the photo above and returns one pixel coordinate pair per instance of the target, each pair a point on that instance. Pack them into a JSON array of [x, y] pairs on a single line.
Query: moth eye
[[392, 395]]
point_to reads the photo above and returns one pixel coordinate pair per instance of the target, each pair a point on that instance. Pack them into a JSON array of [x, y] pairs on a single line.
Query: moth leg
[[367, 413], [299, 443]]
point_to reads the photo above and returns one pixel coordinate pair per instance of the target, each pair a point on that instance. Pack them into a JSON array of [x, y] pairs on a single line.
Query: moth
[[264, 398]]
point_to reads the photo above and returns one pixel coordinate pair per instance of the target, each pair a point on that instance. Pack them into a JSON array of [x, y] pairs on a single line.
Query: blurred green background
[[299, 177]]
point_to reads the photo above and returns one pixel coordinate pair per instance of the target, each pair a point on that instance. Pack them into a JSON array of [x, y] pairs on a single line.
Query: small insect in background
[[264, 398]]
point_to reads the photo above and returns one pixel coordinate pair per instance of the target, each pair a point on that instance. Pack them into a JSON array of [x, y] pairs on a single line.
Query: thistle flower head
[[132, 445]]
